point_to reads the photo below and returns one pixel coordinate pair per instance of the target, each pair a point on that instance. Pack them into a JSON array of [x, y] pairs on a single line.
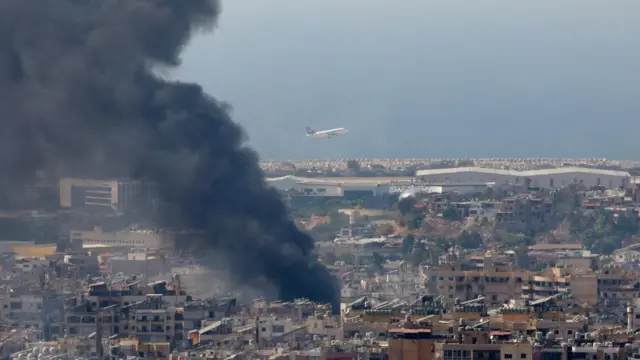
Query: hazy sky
[[419, 78]]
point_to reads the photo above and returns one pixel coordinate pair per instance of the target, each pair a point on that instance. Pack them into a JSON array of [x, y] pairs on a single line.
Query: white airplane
[[325, 133]]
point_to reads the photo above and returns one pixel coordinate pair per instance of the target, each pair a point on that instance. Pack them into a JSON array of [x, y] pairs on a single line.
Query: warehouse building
[[544, 178], [328, 188], [365, 192]]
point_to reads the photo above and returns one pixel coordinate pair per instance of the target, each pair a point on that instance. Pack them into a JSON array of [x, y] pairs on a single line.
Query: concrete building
[[329, 188], [546, 178], [142, 238], [499, 283], [325, 326], [412, 344], [150, 264], [111, 195], [272, 327], [153, 321], [469, 351], [633, 314], [461, 188], [580, 283]]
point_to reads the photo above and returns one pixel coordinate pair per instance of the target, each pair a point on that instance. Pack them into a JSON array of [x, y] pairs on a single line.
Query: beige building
[[157, 324], [412, 344], [497, 282], [580, 283], [148, 239], [504, 351], [325, 326]]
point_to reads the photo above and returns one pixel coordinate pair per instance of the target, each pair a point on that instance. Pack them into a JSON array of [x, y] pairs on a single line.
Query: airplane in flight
[[325, 133]]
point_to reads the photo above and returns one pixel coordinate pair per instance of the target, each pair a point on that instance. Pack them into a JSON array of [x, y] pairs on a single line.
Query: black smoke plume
[[78, 97]]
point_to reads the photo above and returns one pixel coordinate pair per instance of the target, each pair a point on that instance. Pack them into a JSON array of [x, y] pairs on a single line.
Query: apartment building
[[497, 282], [523, 213], [154, 321], [616, 285], [326, 326], [413, 344], [148, 263], [107, 195], [500, 282], [580, 283], [487, 351], [128, 310]]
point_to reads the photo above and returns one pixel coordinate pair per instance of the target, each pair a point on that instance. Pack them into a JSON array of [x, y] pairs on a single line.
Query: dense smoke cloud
[[78, 98]]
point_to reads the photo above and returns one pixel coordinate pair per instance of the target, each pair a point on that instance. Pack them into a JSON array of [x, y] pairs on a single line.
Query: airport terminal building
[[544, 178], [371, 192], [329, 188]]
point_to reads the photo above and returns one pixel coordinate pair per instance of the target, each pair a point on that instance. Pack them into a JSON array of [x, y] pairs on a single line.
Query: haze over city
[[427, 79]]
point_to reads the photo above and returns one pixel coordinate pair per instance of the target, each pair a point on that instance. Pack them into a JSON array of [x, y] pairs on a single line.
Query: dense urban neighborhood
[[450, 263]]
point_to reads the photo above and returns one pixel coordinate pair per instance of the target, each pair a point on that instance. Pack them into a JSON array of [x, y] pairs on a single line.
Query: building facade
[[545, 178], [110, 195]]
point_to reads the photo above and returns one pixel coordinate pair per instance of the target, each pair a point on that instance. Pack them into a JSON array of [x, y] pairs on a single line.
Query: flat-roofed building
[[544, 178], [144, 239], [113, 195]]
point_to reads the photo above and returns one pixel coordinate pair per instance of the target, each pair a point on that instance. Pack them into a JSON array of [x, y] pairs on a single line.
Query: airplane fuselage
[[327, 133]]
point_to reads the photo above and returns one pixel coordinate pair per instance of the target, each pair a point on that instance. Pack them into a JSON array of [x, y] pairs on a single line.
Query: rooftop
[[539, 172]]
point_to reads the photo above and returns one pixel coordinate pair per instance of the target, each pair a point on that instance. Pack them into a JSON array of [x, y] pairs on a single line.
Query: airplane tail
[[310, 131]]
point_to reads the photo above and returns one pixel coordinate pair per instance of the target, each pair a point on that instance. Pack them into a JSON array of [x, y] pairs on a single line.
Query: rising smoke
[[78, 98]]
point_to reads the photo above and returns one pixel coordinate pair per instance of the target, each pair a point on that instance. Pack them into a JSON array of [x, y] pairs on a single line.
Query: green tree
[[602, 232], [604, 223], [627, 223], [469, 240], [419, 254], [451, 214], [406, 205], [407, 244], [377, 261], [442, 243], [513, 240]]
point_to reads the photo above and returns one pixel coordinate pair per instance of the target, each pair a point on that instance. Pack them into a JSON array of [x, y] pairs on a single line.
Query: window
[[278, 328], [523, 356], [508, 356]]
